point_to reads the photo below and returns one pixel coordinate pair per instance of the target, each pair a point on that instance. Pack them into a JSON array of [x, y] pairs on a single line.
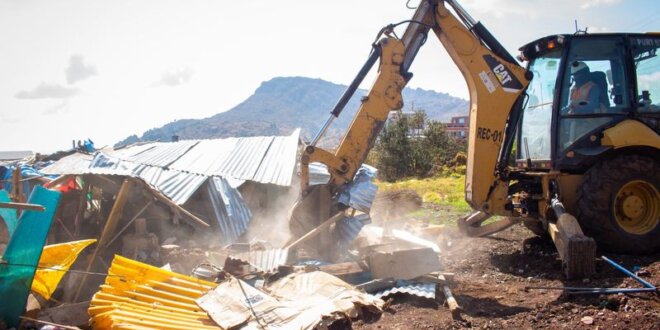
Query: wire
[[247, 300], [390, 28], [409, 6]]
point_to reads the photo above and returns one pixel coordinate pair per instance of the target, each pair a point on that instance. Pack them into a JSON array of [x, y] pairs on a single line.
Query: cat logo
[[502, 75], [508, 81]]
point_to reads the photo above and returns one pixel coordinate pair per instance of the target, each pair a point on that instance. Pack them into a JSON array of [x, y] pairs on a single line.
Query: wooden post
[[22, 206], [314, 232], [108, 229], [82, 206], [17, 185], [167, 201], [577, 251], [451, 301]]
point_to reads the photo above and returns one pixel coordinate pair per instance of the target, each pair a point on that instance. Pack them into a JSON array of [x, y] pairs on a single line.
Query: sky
[[78, 69]]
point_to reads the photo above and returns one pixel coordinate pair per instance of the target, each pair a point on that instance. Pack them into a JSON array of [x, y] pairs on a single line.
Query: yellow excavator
[[574, 132]]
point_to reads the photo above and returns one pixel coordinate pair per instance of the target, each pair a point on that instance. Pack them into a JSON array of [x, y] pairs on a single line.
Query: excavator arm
[[496, 84]]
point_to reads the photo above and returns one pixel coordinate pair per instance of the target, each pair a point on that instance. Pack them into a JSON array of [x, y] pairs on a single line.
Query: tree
[[402, 151]]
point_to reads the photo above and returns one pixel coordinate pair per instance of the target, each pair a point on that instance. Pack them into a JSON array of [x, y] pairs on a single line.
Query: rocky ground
[[491, 280]]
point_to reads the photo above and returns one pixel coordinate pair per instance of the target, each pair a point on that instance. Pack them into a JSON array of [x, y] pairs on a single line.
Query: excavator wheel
[[618, 204]]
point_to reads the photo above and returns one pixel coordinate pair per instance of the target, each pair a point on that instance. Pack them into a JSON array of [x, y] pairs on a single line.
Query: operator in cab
[[585, 94]]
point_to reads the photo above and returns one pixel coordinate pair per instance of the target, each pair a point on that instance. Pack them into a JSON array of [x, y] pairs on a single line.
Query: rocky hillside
[[282, 104]]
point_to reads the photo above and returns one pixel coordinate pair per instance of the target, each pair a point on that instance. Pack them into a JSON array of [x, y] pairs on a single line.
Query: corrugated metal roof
[[176, 185], [72, 164], [232, 214], [280, 160], [419, 289], [263, 159], [162, 154]]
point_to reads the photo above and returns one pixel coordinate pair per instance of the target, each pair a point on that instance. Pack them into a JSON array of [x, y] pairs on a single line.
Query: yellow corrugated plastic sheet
[[141, 296], [55, 261]]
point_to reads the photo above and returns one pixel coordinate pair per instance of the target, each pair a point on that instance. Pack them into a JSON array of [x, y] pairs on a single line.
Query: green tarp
[[9, 215], [22, 255]]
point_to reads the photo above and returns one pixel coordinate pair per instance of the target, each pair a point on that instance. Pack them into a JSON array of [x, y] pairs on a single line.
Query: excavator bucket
[[310, 210], [472, 225]]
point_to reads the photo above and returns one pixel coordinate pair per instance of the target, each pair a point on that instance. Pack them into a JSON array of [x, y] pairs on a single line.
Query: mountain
[[281, 104]]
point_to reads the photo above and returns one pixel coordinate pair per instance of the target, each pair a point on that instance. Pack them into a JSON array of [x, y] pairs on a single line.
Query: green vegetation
[[413, 146], [447, 191]]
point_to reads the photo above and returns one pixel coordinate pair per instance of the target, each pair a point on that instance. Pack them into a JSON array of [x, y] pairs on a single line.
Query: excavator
[[567, 144]]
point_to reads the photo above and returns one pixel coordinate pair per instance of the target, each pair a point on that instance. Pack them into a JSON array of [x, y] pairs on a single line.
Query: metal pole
[[629, 273]]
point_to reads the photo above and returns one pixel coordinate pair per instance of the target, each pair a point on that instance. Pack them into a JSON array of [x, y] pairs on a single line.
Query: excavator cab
[[590, 121], [554, 131]]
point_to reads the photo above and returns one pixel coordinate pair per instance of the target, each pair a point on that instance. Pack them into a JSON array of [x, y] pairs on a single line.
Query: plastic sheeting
[[8, 215], [22, 254], [55, 261], [141, 296]]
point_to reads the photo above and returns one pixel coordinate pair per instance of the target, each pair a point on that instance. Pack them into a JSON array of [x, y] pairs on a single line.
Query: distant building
[[458, 127]]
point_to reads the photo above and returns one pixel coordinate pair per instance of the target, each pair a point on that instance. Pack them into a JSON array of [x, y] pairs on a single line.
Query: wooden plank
[[343, 269], [195, 219], [55, 182], [314, 232], [22, 206], [82, 206], [577, 251], [108, 228], [451, 301]]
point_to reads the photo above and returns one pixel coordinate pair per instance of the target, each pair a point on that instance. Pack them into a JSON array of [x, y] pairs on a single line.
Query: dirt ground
[[491, 276]]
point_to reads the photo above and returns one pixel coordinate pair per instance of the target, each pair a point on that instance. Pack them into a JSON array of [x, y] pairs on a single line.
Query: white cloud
[[175, 78], [57, 108], [48, 91], [596, 3], [77, 70]]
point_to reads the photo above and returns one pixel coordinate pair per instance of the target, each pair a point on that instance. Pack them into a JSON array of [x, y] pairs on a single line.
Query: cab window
[[647, 67], [593, 88]]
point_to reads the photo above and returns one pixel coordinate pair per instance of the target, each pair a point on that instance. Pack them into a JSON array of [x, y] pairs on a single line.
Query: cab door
[[587, 106]]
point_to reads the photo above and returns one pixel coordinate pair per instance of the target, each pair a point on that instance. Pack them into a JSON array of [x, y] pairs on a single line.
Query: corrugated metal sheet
[[360, 193], [163, 154], [280, 160], [206, 157], [176, 185], [347, 229], [232, 214], [141, 296], [419, 289], [264, 260], [263, 159], [77, 163]]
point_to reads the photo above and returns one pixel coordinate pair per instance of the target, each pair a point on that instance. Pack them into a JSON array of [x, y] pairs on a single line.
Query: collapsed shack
[[190, 193]]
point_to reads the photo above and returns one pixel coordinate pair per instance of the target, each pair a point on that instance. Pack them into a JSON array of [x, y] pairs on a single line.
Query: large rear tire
[[618, 204]]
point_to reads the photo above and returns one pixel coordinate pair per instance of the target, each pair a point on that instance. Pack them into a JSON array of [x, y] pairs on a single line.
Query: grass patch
[[441, 191]]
